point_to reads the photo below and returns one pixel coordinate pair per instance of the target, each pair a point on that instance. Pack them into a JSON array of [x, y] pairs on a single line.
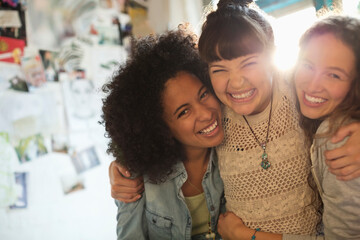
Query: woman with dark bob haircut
[[162, 123]]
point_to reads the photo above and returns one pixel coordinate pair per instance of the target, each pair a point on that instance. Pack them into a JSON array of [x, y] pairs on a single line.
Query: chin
[[311, 114], [243, 111]]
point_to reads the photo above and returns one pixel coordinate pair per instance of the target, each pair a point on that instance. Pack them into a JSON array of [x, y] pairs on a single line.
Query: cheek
[[214, 104], [297, 84], [177, 133], [300, 78], [260, 78], [264, 85], [339, 93], [218, 85]]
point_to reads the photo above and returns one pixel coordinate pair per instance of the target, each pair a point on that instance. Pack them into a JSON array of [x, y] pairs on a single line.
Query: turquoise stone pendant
[[265, 164]]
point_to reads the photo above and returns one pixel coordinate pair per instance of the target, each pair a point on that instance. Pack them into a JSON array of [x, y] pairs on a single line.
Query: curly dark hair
[[133, 109]]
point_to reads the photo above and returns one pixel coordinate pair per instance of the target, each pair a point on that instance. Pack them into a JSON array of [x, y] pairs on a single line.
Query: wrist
[[253, 237], [243, 233]]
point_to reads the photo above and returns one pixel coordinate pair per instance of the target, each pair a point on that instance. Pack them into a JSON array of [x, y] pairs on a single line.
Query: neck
[[197, 156], [195, 165]]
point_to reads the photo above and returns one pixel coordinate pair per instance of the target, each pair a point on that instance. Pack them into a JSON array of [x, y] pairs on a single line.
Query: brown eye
[[182, 113], [333, 75], [204, 94]]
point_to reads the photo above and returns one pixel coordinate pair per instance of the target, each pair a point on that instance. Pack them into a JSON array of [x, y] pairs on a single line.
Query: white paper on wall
[[83, 107]]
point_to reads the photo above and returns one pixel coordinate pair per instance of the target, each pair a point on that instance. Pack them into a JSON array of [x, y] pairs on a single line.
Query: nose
[[236, 80], [314, 84], [204, 112]]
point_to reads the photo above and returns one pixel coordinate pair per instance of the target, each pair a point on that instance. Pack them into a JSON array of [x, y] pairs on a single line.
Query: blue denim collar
[[179, 168]]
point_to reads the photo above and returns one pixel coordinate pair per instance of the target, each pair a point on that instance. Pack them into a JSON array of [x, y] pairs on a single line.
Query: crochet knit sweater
[[279, 199]]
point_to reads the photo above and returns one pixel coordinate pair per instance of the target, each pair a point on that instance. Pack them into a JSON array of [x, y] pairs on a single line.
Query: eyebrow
[[246, 59], [332, 68], [340, 70], [185, 104]]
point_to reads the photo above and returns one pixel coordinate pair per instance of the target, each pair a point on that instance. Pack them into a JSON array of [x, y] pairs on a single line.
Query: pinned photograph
[[51, 65], [31, 148], [12, 19], [60, 143], [21, 190], [71, 183], [8, 157], [11, 50], [5, 136], [85, 159], [33, 70], [82, 104]]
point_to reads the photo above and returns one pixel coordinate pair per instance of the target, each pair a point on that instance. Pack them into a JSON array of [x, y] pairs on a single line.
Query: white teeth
[[243, 95], [314, 99], [209, 129]]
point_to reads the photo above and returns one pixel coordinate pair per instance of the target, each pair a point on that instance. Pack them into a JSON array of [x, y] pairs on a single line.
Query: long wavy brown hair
[[347, 30]]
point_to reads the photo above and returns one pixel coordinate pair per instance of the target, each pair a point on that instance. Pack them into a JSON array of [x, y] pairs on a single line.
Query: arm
[[231, 226], [131, 223], [344, 162], [341, 215], [122, 188], [301, 237]]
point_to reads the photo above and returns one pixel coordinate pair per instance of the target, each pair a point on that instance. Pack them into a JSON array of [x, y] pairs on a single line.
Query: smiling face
[[243, 83], [323, 76], [192, 113]]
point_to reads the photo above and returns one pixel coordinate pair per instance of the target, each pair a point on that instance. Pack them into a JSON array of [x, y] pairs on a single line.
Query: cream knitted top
[[278, 199]]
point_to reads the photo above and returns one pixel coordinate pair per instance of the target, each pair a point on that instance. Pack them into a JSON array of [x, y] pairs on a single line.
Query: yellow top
[[199, 213]]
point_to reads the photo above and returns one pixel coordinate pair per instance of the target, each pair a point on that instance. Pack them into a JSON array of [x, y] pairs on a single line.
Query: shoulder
[[324, 139]]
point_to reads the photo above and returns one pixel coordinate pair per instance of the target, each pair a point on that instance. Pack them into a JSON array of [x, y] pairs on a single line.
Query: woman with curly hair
[[162, 123]]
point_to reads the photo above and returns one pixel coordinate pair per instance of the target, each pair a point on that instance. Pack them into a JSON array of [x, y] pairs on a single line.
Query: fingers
[[124, 196], [343, 172], [116, 171], [113, 172], [128, 185], [345, 131], [123, 170], [335, 153], [223, 215], [124, 189], [345, 168], [126, 199], [135, 183], [338, 163], [119, 176], [349, 177], [129, 190], [349, 149]]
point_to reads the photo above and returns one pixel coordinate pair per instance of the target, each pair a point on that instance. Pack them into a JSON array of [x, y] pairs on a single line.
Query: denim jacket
[[162, 213]]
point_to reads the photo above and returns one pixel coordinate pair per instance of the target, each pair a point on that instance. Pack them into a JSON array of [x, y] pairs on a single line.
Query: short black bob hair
[[235, 30]]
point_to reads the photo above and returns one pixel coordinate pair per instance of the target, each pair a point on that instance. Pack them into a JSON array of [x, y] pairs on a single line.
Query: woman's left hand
[[231, 226]]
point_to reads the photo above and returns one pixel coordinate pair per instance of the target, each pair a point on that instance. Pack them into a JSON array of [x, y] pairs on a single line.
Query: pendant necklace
[[265, 164]]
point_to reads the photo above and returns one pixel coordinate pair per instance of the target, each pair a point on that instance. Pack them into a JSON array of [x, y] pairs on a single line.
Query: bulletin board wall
[[54, 58]]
